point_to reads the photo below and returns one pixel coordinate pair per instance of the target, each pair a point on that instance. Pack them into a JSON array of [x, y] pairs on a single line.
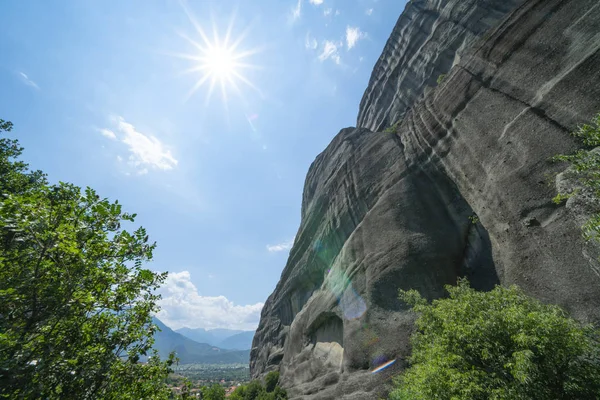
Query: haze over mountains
[[191, 351], [225, 338]]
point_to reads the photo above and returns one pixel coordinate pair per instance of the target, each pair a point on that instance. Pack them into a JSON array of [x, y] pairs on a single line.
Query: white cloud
[[119, 159], [369, 11], [28, 81], [146, 150], [316, 2], [330, 50], [108, 133], [274, 248], [296, 11], [182, 305], [353, 34], [327, 11], [337, 12], [310, 42]]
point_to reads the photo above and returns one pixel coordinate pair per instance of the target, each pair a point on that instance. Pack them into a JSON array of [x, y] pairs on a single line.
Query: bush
[[441, 78], [585, 165], [271, 381], [256, 391], [497, 345], [214, 392], [393, 128]]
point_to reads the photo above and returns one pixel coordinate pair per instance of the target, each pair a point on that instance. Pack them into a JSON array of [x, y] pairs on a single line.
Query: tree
[[75, 300], [214, 392], [253, 390], [271, 380], [256, 391], [239, 393], [497, 345]]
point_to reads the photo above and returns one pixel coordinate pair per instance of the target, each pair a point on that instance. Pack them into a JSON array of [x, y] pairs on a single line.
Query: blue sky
[[99, 95]]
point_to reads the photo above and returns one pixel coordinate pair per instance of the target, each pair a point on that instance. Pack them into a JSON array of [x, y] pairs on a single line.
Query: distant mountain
[[220, 337], [199, 335], [189, 351], [241, 341], [222, 334]]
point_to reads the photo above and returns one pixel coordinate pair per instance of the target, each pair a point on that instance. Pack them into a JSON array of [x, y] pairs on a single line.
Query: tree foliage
[[497, 345], [256, 391], [75, 299], [271, 381], [585, 164], [213, 392]]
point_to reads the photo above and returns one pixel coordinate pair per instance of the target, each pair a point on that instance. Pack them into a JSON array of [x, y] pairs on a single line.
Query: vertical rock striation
[[427, 41], [384, 211]]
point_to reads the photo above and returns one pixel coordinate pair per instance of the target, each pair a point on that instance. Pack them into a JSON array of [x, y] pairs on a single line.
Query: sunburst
[[218, 61]]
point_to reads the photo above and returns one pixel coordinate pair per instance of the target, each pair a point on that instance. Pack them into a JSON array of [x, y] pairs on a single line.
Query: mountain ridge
[[189, 351], [224, 338]]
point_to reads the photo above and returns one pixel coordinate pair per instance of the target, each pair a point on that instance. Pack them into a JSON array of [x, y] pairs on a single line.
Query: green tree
[[214, 392], [277, 394], [253, 390], [256, 391], [497, 345], [239, 393], [75, 300], [271, 380]]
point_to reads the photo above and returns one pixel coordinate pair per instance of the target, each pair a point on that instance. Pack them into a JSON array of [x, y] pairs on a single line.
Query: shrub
[[441, 78], [256, 391], [271, 381], [585, 165], [497, 345], [214, 392], [393, 128]]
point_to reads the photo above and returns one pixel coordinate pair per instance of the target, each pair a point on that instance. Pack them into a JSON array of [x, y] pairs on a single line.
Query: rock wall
[[427, 41], [384, 211]]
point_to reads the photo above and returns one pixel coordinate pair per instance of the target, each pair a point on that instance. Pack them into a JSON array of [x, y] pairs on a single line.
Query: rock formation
[[427, 41], [462, 188]]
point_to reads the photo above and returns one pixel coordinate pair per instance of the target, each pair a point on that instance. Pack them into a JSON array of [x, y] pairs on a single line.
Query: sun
[[218, 61]]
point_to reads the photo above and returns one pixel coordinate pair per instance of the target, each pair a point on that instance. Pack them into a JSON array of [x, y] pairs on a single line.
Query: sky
[[202, 117]]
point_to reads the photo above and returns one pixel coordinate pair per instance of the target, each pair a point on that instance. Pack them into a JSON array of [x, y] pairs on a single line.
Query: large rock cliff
[[383, 211], [427, 41]]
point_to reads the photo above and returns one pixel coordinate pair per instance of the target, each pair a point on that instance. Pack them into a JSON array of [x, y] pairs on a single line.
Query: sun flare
[[218, 61]]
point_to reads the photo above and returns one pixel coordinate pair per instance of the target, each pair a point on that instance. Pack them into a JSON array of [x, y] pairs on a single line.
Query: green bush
[[441, 78], [585, 165], [393, 128], [497, 345], [271, 381], [214, 392], [256, 391]]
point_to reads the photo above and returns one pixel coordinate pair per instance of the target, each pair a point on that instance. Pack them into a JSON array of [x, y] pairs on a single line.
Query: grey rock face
[[427, 41], [385, 211]]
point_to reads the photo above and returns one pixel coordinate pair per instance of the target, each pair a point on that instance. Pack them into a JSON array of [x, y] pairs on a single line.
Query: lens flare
[[351, 303], [383, 366]]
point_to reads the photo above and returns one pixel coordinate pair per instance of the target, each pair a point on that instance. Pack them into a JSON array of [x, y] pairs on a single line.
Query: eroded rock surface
[[428, 40], [383, 211]]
